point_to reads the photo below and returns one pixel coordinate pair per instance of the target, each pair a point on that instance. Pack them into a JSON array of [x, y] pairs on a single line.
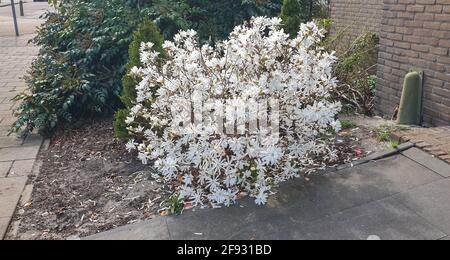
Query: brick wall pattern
[[413, 34]]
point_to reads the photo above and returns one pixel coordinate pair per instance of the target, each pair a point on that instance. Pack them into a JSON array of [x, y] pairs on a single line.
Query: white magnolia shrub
[[185, 127]]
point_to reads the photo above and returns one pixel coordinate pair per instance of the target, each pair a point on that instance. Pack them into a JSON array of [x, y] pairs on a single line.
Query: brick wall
[[356, 17], [415, 33]]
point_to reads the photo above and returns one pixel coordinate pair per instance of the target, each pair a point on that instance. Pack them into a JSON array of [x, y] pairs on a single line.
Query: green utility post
[[13, 8], [410, 111]]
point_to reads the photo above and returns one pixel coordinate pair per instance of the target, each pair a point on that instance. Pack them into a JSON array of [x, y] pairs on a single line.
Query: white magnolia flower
[[129, 120], [261, 198], [131, 145], [227, 147], [143, 157], [135, 71]]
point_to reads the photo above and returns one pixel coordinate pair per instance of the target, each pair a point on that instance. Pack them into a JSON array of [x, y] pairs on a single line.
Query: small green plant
[[394, 144], [383, 136], [348, 124], [372, 81], [355, 69], [384, 132], [176, 204], [146, 32], [324, 23]]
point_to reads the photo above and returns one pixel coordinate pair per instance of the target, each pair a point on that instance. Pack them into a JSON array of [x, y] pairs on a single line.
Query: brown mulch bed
[[89, 183]]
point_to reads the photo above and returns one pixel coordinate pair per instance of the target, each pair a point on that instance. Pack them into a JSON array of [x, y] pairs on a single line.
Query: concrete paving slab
[[10, 141], [19, 153], [431, 201], [4, 131], [10, 191], [5, 107], [428, 161], [386, 219], [155, 230], [4, 222], [7, 121], [21, 168], [350, 204], [199, 225], [4, 168], [306, 201], [334, 192], [387, 176]]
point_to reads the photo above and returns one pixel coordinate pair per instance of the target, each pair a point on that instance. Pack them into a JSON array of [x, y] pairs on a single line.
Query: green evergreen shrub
[[78, 72], [295, 12], [291, 14], [146, 32], [215, 19], [120, 127], [212, 19]]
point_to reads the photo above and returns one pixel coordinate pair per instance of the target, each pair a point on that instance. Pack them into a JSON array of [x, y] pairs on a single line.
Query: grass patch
[[348, 124], [383, 133], [394, 144], [383, 136]]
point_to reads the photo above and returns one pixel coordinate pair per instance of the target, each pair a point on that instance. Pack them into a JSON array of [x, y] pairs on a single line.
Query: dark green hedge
[[80, 65]]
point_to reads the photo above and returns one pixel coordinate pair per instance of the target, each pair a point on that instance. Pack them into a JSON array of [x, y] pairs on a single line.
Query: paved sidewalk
[[17, 156], [27, 24], [393, 198], [434, 140]]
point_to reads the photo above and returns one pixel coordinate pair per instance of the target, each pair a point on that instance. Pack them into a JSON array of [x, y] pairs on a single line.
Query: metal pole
[[16, 27], [21, 8]]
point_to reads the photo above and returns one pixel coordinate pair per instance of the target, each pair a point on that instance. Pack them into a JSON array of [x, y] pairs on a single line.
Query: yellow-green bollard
[[410, 111]]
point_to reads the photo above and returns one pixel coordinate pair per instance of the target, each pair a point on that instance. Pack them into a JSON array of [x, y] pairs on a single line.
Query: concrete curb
[[428, 161], [373, 157]]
